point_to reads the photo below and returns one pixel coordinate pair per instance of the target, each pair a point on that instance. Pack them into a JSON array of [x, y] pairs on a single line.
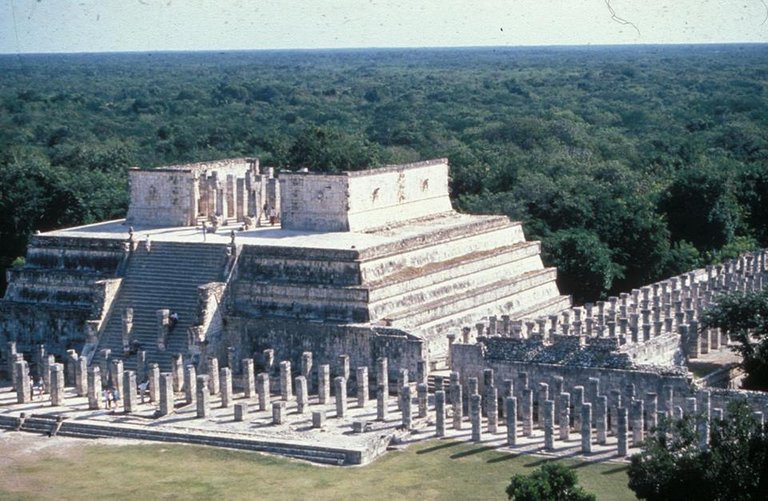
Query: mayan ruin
[[330, 317]]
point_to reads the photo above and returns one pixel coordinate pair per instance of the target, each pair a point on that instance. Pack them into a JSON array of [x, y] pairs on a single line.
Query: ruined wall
[[290, 338], [162, 197], [362, 200], [471, 359]]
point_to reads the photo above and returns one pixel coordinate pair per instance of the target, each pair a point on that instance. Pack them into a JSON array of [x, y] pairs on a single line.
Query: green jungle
[[630, 164]]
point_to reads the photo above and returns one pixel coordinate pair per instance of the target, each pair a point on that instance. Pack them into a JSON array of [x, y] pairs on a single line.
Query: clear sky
[[145, 25]]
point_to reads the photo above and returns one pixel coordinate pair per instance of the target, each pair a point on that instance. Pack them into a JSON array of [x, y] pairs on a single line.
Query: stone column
[[422, 371], [94, 388], [23, 384], [382, 374], [249, 383], [213, 375], [601, 420], [548, 410], [543, 396], [262, 387], [81, 377], [565, 415], [440, 413], [278, 412], [340, 387], [203, 396], [70, 367], [57, 384], [421, 396], [578, 400], [190, 384], [457, 402], [586, 428], [622, 431], [344, 366], [510, 408], [241, 411], [286, 391], [527, 412], [492, 407], [381, 403], [166, 393], [49, 360], [405, 406], [306, 369], [637, 422], [177, 371], [362, 386], [302, 394], [475, 417], [225, 386], [402, 380], [614, 403], [652, 410], [117, 376], [555, 391], [130, 396], [324, 384], [154, 383]]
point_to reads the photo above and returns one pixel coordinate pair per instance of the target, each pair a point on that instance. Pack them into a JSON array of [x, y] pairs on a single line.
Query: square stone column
[[154, 383], [203, 396], [302, 394], [405, 407], [340, 387], [57, 385], [249, 383], [81, 377], [94, 388], [324, 384], [166, 393], [190, 384], [262, 386], [130, 396], [362, 386], [213, 375], [177, 371], [475, 402], [382, 411], [440, 413], [382, 373], [510, 408], [23, 383], [225, 386], [286, 389]]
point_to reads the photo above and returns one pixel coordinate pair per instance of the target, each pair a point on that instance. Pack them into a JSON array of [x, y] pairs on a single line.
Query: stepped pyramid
[[371, 264]]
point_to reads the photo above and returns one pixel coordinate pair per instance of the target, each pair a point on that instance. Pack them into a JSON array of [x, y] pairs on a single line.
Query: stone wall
[[162, 197], [363, 200], [289, 339]]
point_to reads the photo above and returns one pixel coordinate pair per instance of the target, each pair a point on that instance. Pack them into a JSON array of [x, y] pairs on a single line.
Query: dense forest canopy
[[629, 163]]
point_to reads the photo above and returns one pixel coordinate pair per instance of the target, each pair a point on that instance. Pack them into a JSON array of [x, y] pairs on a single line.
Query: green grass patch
[[430, 470]]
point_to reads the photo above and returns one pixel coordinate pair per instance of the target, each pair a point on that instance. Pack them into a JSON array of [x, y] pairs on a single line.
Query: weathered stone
[[510, 405], [440, 413], [225, 387], [241, 410], [475, 417], [262, 387], [286, 389], [166, 393], [361, 378], [340, 389], [302, 394]]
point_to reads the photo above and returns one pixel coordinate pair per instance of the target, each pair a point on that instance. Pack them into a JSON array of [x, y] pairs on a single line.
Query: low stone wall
[[290, 338]]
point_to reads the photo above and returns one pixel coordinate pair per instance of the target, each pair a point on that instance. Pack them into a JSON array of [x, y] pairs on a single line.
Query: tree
[[583, 262], [673, 465], [552, 482], [744, 317]]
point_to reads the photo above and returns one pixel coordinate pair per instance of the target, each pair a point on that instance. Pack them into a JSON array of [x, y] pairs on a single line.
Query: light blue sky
[[143, 25]]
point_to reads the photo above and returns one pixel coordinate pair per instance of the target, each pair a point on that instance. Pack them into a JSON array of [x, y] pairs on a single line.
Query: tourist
[[173, 319], [107, 396], [116, 398], [143, 387], [272, 217], [147, 243], [39, 386]]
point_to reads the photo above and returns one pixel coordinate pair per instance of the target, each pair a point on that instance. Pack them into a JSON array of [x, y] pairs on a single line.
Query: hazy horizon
[[118, 26]]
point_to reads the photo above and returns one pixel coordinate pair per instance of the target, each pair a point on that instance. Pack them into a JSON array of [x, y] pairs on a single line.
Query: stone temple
[[370, 263], [426, 319]]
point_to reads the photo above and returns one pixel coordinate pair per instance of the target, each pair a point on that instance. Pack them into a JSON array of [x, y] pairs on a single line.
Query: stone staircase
[[166, 277], [43, 424]]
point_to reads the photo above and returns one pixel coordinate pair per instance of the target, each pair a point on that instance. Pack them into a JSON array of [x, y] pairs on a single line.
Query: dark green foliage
[[583, 262], [744, 317], [673, 466], [658, 153], [551, 482]]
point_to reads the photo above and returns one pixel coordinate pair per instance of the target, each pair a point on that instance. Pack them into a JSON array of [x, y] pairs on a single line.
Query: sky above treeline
[[29, 26]]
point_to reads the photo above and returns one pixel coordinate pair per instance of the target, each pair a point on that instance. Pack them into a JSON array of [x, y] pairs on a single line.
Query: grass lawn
[[429, 470]]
